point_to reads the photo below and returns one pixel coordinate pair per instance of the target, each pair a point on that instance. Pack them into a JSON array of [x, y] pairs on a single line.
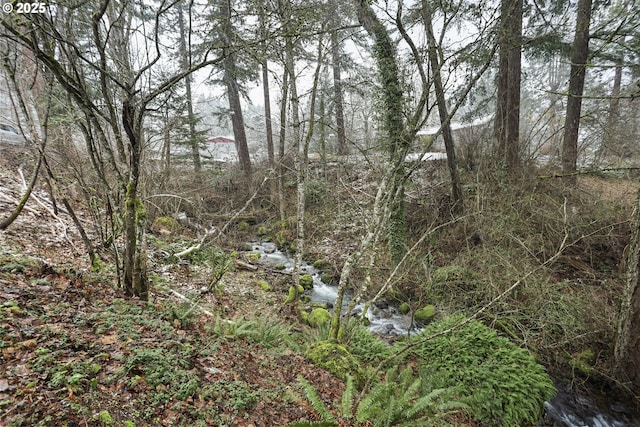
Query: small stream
[[384, 321], [566, 409]]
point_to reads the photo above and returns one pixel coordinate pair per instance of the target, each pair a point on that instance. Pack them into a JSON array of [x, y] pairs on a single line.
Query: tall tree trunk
[[626, 354], [579, 56], [445, 121], [337, 93], [392, 122], [193, 141], [134, 261], [264, 65], [299, 162], [612, 140], [281, 146], [233, 91], [507, 122]]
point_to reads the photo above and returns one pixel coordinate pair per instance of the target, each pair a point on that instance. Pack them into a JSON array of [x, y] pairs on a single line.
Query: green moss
[[262, 231], [321, 264], [319, 317], [425, 314], [264, 285], [306, 281], [404, 308], [329, 279], [336, 359], [583, 362], [167, 223], [253, 256], [292, 294], [453, 274]]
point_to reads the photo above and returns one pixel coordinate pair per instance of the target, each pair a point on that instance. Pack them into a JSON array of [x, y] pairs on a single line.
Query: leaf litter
[[73, 352]]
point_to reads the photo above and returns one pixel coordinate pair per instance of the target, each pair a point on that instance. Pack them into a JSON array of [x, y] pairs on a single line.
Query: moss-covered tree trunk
[[134, 262], [392, 122]]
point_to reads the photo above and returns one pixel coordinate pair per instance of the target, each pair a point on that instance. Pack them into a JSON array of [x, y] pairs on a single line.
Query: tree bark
[[264, 65], [445, 121], [579, 56], [233, 91], [507, 122], [337, 93], [134, 262], [626, 354], [193, 141], [282, 205], [612, 140], [392, 122]]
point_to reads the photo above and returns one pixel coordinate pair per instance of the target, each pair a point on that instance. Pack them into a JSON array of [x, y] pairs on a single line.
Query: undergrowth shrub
[[501, 383], [402, 399], [364, 345], [398, 399], [261, 330]]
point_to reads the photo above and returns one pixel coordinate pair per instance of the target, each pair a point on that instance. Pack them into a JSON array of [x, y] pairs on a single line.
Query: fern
[[316, 402], [346, 403], [501, 383], [400, 400]]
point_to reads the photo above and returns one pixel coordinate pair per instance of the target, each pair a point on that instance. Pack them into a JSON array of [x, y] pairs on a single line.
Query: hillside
[[230, 352]]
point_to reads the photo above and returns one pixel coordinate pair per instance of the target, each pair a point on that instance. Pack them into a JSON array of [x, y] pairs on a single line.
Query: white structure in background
[[462, 132], [220, 149], [426, 157]]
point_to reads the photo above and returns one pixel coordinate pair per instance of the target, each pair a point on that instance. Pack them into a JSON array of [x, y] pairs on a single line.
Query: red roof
[[220, 139]]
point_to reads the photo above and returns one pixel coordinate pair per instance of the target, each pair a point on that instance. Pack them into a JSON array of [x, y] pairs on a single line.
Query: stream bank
[[566, 409]]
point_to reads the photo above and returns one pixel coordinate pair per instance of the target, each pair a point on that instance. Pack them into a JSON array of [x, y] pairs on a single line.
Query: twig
[[563, 246], [193, 304]]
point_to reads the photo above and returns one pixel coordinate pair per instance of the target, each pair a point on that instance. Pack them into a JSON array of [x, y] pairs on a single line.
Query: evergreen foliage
[[404, 400], [365, 346], [502, 383], [399, 400]]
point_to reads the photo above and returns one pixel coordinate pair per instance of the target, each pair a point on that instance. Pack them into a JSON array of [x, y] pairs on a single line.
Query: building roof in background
[[220, 140]]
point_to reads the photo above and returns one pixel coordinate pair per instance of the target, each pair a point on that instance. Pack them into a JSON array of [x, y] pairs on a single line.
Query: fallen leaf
[[32, 343], [4, 385], [8, 352], [109, 339]]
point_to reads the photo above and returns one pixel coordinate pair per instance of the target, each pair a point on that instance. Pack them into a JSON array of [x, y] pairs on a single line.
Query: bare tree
[[108, 72], [445, 120]]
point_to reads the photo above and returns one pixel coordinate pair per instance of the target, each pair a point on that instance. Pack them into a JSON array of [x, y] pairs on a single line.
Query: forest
[[320, 213]]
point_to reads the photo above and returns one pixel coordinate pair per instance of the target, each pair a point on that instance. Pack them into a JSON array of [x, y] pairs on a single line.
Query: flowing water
[[566, 409], [384, 320]]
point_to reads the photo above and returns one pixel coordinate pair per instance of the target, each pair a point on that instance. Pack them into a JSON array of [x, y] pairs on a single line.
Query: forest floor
[[74, 352]]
